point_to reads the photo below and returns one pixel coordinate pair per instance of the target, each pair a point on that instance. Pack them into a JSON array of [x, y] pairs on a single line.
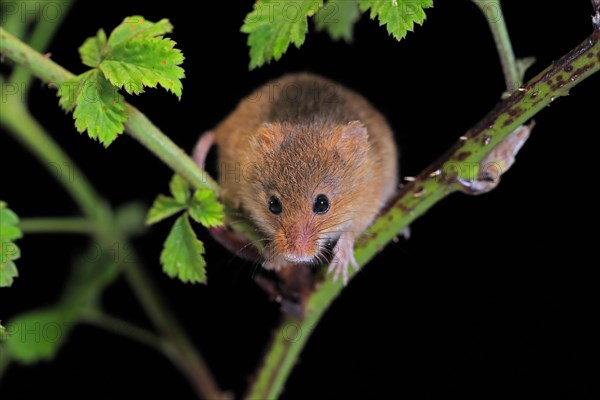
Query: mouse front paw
[[343, 255]]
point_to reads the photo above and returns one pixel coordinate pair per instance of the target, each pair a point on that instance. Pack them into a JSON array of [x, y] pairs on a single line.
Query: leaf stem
[[461, 162], [492, 11], [57, 225], [144, 131], [124, 328]]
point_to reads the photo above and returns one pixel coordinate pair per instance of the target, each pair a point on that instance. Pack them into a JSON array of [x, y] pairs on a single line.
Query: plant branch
[[39, 40], [138, 126], [24, 128], [57, 225], [492, 11], [462, 163], [124, 328]]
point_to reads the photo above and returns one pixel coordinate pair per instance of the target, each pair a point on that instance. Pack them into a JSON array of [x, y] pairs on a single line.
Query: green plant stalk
[[124, 328], [39, 40], [460, 163], [138, 126], [17, 120], [57, 225], [512, 76], [144, 131]]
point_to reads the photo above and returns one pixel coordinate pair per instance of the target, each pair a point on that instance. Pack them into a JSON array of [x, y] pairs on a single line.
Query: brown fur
[[297, 137]]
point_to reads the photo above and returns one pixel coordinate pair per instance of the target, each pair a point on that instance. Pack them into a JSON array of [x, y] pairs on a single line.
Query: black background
[[492, 297]]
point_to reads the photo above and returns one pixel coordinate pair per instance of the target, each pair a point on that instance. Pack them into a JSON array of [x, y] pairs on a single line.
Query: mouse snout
[[298, 244]]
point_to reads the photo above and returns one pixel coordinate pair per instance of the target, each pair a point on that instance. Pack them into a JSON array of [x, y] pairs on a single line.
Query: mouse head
[[302, 185]]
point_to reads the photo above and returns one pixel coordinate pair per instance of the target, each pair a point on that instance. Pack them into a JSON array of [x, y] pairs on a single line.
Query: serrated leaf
[[163, 207], [100, 108], [180, 189], [206, 209], [37, 335], [91, 50], [8, 273], [9, 251], [69, 91], [182, 253], [274, 24], [139, 63], [136, 55], [337, 17], [399, 16], [137, 27]]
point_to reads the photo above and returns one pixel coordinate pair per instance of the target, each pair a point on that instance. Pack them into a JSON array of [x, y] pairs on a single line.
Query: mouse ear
[[350, 140], [268, 138]]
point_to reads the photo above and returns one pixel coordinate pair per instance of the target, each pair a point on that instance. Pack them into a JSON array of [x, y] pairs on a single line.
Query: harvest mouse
[[311, 163]]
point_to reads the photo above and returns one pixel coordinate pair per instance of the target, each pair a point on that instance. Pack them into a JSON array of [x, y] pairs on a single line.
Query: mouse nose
[[298, 245]]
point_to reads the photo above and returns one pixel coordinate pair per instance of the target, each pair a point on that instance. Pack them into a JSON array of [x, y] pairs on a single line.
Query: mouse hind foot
[[343, 256]]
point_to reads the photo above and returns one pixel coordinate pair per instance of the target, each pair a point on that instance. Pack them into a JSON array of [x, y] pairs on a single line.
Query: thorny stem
[[492, 11], [462, 163], [26, 129]]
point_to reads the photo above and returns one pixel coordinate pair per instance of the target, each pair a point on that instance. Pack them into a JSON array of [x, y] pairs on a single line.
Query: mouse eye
[[274, 205], [321, 205]]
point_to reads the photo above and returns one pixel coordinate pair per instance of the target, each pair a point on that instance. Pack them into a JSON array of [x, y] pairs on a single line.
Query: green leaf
[[134, 56], [137, 27], [180, 189], [3, 334], [274, 24], [99, 109], [337, 17], [91, 50], [9, 251], [162, 208], [37, 335], [137, 56], [68, 92], [399, 16], [206, 209], [182, 253]]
